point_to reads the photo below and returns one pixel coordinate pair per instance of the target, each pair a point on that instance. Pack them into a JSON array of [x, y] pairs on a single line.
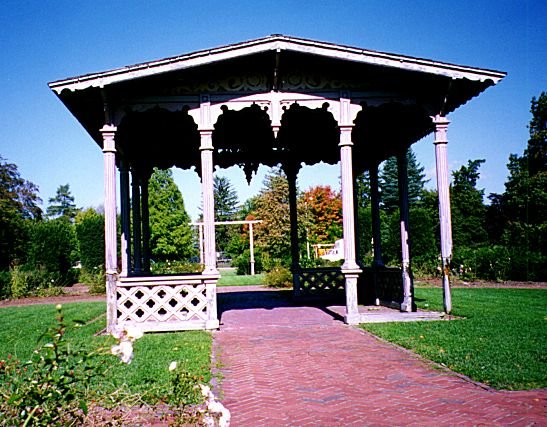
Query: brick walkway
[[298, 366]]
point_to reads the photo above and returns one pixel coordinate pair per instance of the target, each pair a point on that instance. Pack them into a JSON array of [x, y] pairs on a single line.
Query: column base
[[212, 324], [352, 319]]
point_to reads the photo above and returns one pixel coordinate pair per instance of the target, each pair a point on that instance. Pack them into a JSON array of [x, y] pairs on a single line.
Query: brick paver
[[298, 366]]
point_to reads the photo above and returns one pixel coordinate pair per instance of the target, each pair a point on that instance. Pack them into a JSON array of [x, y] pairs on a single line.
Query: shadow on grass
[[270, 299]]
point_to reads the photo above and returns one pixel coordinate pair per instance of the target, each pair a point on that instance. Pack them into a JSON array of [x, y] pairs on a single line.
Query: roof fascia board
[[329, 50]]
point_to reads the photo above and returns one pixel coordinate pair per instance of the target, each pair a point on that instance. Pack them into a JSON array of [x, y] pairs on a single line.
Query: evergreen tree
[[18, 202], [62, 205], [225, 210], [468, 209], [272, 207], [389, 187], [170, 231], [362, 188]]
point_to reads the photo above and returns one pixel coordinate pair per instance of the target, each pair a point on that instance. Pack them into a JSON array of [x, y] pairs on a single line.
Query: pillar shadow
[[269, 299]]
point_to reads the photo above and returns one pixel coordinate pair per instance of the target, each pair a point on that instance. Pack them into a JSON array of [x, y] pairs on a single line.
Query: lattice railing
[[159, 303], [384, 283], [318, 281]]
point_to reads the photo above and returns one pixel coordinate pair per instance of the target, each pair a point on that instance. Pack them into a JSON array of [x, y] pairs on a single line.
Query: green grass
[[230, 278], [148, 373], [501, 342]]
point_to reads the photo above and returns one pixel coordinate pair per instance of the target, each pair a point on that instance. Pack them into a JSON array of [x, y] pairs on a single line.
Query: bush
[[485, 262], [243, 262], [95, 279], [5, 284], [90, 234], [278, 277], [176, 267], [53, 248]]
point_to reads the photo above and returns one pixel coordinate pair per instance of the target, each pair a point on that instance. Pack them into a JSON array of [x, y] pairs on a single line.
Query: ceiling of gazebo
[[398, 95]]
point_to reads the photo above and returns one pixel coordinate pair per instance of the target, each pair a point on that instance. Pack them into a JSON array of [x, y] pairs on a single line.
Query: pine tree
[[62, 205], [170, 231], [389, 187], [468, 209], [225, 210]]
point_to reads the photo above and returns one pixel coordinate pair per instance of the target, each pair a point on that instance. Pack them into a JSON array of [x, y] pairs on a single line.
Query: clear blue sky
[[42, 41]]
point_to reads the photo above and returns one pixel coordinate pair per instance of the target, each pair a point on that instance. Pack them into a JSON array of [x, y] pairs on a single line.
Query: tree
[[468, 209], [272, 207], [521, 209], [323, 209], [18, 202], [62, 205], [225, 210], [389, 182], [170, 231], [90, 234], [362, 188]]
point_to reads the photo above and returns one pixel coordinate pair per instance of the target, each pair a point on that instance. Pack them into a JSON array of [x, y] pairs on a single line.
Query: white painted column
[[111, 258], [350, 269], [443, 189], [126, 219], [251, 248], [208, 201], [201, 248], [402, 169]]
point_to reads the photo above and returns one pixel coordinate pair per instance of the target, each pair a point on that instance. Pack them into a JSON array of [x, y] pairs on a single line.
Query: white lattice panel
[[163, 303]]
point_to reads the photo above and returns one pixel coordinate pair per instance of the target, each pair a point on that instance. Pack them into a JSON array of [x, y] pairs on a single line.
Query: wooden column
[[350, 269], [111, 258], [292, 171], [208, 201], [145, 218], [126, 219], [251, 248], [136, 210], [443, 189], [375, 214], [402, 169]]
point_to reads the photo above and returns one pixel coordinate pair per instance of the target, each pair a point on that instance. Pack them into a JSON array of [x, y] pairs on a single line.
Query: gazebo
[[276, 100]]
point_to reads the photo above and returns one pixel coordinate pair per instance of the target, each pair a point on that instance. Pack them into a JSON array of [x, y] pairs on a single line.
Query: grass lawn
[[230, 278], [148, 373], [501, 342]]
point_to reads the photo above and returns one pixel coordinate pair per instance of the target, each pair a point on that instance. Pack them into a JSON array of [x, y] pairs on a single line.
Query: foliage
[[468, 210], [176, 267], [243, 262], [388, 182], [52, 387], [18, 202], [485, 262], [278, 277], [362, 189], [53, 247], [95, 279], [90, 234], [170, 232], [496, 342], [225, 198], [323, 208], [272, 207], [62, 205]]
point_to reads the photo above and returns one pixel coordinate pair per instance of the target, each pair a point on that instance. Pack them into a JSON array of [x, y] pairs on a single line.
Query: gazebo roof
[[391, 88]]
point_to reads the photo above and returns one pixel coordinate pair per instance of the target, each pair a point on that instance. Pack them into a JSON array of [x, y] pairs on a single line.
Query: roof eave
[[281, 43]]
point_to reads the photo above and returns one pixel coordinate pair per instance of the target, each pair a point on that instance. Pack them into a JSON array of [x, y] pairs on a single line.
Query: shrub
[[90, 234], [95, 279], [176, 267], [278, 277], [5, 284], [243, 262], [19, 283]]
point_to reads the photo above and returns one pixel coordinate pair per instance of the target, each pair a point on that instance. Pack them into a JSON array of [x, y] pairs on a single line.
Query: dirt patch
[[76, 293]]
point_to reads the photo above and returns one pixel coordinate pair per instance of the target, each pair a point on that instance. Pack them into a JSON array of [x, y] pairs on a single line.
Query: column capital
[[206, 136], [109, 133], [345, 135], [441, 127]]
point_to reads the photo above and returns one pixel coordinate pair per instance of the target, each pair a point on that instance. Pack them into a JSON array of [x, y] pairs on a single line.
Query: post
[[375, 214], [292, 170], [208, 200], [251, 248], [402, 169], [443, 189], [111, 263], [126, 219], [145, 218], [201, 248], [136, 209], [350, 269]]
